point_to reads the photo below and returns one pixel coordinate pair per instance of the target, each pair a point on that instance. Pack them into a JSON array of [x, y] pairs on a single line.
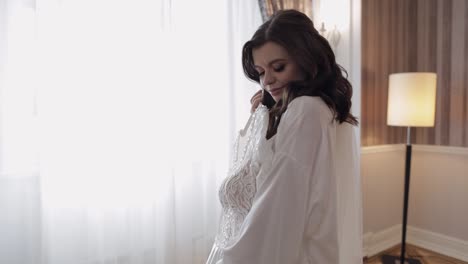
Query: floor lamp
[[411, 103]]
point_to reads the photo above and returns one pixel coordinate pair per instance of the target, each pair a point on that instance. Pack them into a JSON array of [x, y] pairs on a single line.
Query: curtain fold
[[116, 124], [269, 7]]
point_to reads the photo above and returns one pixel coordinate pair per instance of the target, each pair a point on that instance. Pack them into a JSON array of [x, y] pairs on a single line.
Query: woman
[[293, 193]]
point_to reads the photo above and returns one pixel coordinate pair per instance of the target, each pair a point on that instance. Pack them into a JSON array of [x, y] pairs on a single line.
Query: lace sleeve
[[238, 190]]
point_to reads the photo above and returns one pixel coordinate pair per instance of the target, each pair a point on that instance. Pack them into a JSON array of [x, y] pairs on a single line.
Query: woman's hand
[[256, 100]]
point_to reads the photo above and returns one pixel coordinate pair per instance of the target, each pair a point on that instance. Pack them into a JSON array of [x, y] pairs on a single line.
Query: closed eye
[[279, 68]]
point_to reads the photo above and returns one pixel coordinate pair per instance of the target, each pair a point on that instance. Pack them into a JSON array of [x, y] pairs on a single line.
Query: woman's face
[[276, 68]]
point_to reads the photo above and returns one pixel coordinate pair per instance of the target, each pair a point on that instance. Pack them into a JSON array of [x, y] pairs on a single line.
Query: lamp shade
[[411, 99]]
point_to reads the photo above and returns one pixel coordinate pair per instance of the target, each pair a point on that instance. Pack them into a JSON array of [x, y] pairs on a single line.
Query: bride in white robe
[[299, 198]]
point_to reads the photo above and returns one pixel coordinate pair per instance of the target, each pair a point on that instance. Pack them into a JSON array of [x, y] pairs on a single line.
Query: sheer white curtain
[[116, 123]]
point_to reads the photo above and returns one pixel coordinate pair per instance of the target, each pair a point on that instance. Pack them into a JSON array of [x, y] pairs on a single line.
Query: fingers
[[256, 100], [258, 93]]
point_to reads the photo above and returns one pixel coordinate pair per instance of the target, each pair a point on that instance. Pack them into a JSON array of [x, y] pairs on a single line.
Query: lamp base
[[388, 259]]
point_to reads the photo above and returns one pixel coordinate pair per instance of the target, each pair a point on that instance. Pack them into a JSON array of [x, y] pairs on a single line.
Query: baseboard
[[442, 244], [377, 242]]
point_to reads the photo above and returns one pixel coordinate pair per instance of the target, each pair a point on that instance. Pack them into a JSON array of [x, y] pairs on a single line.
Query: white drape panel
[[20, 224], [116, 123], [244, 19]]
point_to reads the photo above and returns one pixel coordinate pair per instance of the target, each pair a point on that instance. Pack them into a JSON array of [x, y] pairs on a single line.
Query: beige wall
[[439, 198], [382, 178], [438, 194]]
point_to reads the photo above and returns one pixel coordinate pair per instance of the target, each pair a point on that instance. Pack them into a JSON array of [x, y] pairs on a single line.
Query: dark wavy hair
[[295, 32]]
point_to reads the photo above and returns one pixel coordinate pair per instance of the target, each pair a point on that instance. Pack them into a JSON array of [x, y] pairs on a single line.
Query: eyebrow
[[271, 62]]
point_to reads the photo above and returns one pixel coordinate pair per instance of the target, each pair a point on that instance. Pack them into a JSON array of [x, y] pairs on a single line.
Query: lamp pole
[[389, 259], [405, 201]]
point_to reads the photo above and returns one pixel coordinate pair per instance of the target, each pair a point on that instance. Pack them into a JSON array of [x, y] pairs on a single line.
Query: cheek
[[293, 74]]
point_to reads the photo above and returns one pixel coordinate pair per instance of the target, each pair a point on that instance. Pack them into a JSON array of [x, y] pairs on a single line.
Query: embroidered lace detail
[[238, 189]]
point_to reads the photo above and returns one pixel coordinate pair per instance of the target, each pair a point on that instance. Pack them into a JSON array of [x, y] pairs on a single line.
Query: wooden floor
[[423, 255]]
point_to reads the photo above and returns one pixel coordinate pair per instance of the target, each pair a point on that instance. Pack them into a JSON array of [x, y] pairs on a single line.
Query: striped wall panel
[[415, 35]]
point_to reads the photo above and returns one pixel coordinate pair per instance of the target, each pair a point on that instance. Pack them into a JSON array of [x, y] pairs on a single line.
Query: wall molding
[[374, 243], [441, 149], [442, 244], [416, 148], [382, 148]]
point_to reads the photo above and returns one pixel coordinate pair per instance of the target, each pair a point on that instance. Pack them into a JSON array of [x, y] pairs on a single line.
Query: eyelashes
[[278, 68]]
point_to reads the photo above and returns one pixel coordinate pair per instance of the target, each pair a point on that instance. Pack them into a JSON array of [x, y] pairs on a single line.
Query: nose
[[268, 78]]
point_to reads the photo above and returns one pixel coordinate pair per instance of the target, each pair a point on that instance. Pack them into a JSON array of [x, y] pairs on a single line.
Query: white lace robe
[[293, 199]]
